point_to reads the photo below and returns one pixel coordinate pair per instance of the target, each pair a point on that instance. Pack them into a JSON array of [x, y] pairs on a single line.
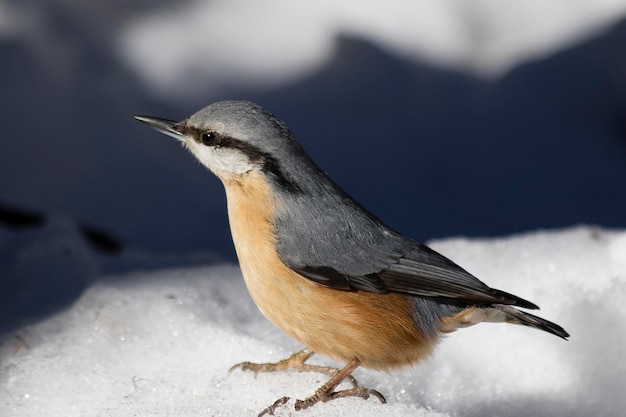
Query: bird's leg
[[295, 362], [327, 391]]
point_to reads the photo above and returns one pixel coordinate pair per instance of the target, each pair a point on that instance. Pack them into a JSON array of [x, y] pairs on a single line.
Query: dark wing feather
[[421, 272]]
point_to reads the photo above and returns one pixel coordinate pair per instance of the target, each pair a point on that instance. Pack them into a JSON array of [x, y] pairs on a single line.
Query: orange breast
[[376, 329]]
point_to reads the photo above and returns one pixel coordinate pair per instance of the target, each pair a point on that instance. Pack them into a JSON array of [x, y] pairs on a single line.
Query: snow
[[275, 42], [160, 341]]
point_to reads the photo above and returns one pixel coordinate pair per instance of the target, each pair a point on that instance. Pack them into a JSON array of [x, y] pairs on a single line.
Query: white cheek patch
[[223, 162]]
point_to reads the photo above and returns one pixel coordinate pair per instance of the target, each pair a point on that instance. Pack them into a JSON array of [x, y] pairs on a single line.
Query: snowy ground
[[161, 343]]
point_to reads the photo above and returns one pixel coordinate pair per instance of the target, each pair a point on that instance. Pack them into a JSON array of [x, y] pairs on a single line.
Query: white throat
[[223, 162]]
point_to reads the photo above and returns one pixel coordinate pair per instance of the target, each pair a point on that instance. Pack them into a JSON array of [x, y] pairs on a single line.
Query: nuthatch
[[321, 267]]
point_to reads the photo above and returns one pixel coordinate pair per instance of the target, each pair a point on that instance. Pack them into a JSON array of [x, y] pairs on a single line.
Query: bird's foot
[[327, 392], [319, 396], [295, 362]]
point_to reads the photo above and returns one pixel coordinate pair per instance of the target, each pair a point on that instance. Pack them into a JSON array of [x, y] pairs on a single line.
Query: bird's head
[[233, 138]]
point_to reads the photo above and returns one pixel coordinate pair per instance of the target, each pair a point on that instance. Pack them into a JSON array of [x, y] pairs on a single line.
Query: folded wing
[[419, 271]]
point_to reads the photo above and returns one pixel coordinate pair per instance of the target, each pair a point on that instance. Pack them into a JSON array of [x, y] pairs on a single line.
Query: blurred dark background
[[434, 152]]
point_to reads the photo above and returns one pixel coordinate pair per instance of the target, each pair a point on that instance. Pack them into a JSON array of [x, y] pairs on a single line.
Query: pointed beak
[[168, 127]]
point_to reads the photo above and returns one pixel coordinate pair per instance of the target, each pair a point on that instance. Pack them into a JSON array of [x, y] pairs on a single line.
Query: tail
[[515, 316]]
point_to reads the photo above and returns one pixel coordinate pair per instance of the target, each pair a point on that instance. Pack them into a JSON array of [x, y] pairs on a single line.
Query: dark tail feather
[[519, 317]]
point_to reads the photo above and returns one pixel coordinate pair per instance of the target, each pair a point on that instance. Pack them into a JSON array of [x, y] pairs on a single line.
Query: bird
[[323, 268]]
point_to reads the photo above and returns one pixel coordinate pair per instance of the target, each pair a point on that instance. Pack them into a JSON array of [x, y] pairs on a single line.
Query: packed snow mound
[[475, 36], [161, 343]]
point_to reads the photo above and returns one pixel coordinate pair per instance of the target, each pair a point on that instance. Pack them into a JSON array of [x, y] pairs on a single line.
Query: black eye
[[208, 138]]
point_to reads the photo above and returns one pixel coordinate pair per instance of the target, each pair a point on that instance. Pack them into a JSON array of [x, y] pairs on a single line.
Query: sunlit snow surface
[[161, 343]]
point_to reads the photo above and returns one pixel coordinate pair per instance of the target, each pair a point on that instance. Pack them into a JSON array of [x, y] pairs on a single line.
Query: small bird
[[321, 267]]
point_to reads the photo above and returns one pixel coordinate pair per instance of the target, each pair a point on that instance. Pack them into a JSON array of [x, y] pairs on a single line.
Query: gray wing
[[421, 272], [325, 236]]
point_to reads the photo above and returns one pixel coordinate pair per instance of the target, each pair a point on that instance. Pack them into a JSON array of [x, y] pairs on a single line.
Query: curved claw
[[270, 410], [378, 395], [245, 366]]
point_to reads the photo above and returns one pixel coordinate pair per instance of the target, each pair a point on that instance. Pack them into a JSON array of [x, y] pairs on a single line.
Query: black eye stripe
[[204, 137], [269, 165]]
